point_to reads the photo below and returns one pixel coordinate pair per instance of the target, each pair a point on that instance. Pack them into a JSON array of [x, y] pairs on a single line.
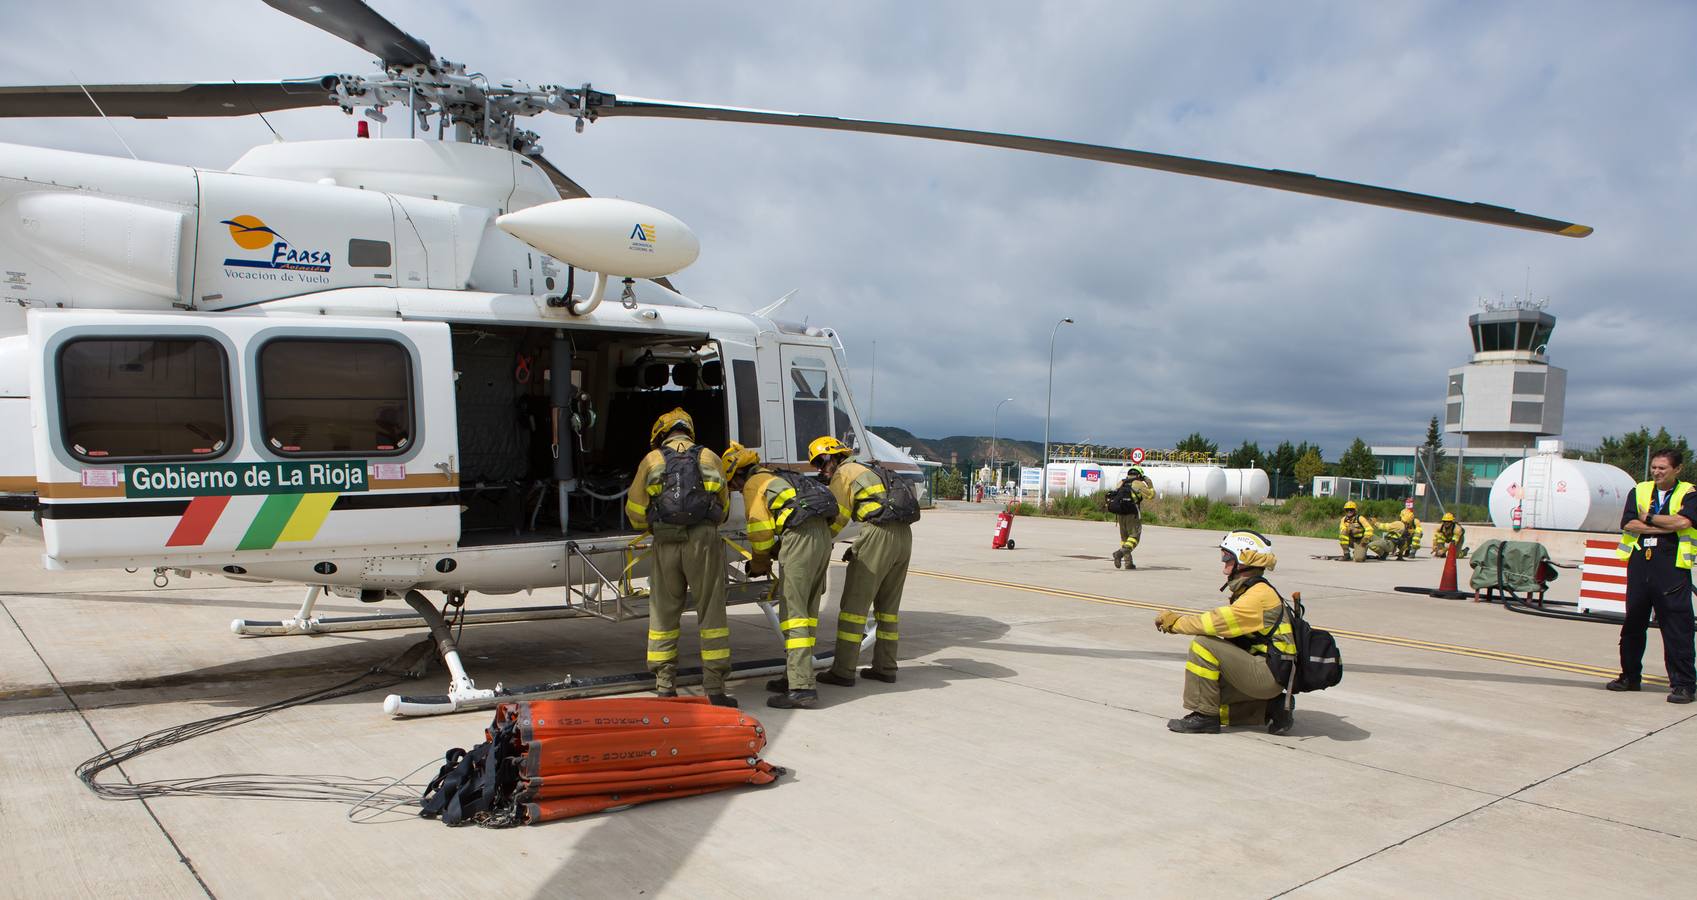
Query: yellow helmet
[[1349, 506], [1448, 517], [826, 446], [669, 421], [737, 460]]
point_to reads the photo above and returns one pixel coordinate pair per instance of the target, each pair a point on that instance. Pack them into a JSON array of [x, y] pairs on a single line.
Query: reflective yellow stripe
[[784, 517], [655, 489], [868, 491], [787, 624], [849, 636], [887, 635], [868, 507], [759, 526], [632, 506], [1208, 626], [798, 643], [1209, 674], [716, 654], [708, 634], [662, 635], [1225, 714], [662, 655], [1197, 648], [851, 617], [711, 486], [761, 544], [888, 617], [1230, 617], [784, 496]]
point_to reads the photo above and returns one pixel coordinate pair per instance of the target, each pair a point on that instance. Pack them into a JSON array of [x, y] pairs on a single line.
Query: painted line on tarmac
[[1572, 668]]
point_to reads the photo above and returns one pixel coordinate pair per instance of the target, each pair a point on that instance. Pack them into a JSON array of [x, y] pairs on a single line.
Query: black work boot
[[1118, 555], [1680, 695], [778, 685], [665, 693], [830, 677], [1621, 684], [794, 700], [1128, 563], [722, 700], [1195, 723], [875, 675], [1279, 719]]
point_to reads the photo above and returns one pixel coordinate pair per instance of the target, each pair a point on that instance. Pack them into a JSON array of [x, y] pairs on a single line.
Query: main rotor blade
[[161, 101], [568, 188], [360, 25], [1279, 179]]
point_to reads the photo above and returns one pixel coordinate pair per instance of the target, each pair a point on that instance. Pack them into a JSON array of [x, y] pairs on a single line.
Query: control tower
[[1508, 395]]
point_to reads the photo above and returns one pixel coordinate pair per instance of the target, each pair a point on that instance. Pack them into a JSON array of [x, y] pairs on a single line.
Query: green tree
[[1631, 452], [1308, 468], [1245, 456], [1358, 461], [1196, 443], [1282, 461], [949, 485], [1445, 478], [1433, 449]]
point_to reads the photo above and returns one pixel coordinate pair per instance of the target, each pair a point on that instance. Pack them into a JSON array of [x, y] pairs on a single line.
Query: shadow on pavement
[[1313, 723]]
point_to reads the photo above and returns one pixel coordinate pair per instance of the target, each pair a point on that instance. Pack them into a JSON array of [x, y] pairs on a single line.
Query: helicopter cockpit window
[[810, 401], [144, 398], [368, 254], [335, 397], [842, 424]]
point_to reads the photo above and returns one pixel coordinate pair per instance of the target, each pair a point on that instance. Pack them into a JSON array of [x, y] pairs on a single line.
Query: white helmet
[[1249, 548]]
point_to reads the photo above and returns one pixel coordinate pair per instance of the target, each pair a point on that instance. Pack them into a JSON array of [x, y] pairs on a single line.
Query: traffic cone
[[1447, 582]]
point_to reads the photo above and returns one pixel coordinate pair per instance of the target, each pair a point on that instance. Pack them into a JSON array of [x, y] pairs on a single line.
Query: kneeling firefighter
[[678, 496], [886, 508], [798, 517], [1353, 533], [1227, 680], [1448, 534], [1411, 534]]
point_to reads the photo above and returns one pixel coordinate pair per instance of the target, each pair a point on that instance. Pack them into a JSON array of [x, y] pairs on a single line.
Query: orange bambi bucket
[[553, 759]]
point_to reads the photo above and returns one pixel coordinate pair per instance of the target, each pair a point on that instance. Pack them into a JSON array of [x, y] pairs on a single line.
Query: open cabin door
[[179, 439]]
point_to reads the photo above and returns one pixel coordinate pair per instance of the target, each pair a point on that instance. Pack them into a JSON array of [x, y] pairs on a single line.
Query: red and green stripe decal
[[282, 518]]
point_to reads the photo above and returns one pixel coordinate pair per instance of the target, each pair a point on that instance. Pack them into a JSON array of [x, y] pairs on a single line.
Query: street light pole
[[994, 472], [1048, 406]]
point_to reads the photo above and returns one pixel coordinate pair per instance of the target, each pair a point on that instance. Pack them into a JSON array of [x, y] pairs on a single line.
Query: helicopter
[[381, 367]]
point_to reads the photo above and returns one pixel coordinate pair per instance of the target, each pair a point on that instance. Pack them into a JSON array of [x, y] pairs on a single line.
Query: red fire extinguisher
[[1003, 538], [1514, 520]]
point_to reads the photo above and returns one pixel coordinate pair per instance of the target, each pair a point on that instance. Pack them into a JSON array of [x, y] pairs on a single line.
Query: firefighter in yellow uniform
[[1411, 534], [800, 520], [1449, 533], [877, 568], [1133, 491], [678, 496], [1227, 680], [1353, 533]]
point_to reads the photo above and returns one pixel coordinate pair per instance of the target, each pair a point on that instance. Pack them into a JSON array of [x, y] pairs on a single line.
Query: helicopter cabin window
[[368, 254], [335, 397], [748, 401], [144, 398], [810, 401]]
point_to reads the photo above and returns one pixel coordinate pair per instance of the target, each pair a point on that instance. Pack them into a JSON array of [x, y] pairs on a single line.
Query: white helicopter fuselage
[[329, 365]]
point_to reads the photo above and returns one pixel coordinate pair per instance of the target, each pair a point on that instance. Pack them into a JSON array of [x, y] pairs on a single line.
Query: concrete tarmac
[[1024, 752]]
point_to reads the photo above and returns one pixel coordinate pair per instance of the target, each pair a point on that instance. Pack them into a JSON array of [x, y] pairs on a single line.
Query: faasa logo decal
[[642, 238], [249, 233]]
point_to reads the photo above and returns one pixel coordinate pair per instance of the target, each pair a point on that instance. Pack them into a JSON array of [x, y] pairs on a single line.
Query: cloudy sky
[[1236, 311]]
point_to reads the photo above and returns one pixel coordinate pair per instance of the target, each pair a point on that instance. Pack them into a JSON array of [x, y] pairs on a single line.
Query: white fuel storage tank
[[1247, 487], [1560, 494], [1189, 481]]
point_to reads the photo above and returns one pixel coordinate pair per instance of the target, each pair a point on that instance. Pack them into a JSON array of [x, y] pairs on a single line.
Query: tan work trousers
[[1223, 679], [694, 566], [874, 583], [803, 556]]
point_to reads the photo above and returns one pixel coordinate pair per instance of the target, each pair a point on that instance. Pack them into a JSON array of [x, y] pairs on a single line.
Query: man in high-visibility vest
[[1353, 533], [1659, 540], [1227, 680], [877, 568], [678, 496], [801, 528]]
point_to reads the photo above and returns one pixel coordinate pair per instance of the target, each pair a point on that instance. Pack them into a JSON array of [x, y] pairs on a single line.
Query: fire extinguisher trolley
[[1003, 538]]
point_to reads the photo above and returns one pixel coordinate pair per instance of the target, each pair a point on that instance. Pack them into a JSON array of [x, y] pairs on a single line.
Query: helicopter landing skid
[[464, 694], [304, 622]]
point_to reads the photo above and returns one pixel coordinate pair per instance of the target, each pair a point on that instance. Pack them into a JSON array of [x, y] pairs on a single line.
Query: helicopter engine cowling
[[606, 235]]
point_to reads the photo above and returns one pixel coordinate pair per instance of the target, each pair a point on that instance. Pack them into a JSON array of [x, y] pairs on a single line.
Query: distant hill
[[961, 448]]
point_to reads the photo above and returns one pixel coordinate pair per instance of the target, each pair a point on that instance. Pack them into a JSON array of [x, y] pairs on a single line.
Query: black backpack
[[1317, 664], [899, 506], [812, 500], [683, 499], [1122, 500]]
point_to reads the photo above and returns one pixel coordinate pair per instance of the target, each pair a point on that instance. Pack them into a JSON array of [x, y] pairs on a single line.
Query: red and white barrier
[[1602, 579]]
